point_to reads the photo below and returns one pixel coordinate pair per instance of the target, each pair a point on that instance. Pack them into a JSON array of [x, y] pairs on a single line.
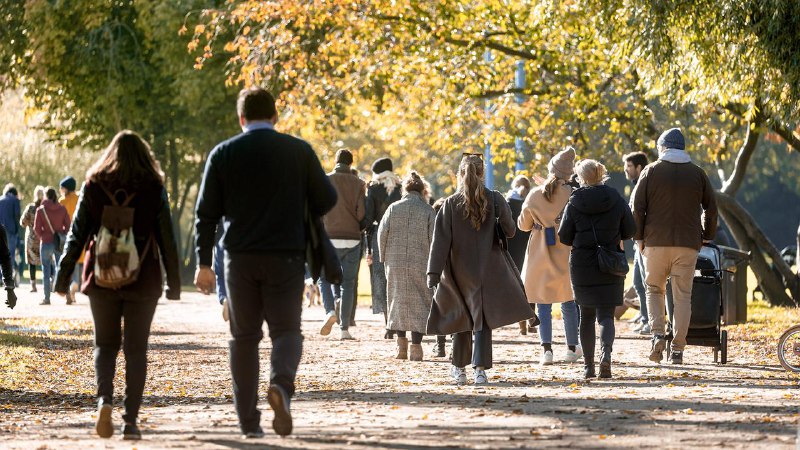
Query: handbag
[[58, 241], [321, 255], [610, 261], [502, 242]]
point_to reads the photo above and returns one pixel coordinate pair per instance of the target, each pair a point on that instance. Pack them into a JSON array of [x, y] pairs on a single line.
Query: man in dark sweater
[[675, 209], [258, 183]]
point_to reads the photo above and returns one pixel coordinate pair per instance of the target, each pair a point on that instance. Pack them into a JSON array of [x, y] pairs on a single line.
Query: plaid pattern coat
[[404, 239]]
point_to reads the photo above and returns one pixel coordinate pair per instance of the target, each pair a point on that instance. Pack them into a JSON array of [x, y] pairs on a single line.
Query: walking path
[[355, 395]]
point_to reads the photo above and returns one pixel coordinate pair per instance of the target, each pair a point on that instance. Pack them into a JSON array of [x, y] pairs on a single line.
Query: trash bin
[[734, 264]]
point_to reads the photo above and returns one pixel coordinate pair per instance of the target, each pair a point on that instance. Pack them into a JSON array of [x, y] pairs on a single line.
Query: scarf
[[388, 179], [675, 155]]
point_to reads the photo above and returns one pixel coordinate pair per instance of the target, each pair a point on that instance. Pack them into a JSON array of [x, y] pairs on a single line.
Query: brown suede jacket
[[344, 221], [674, 205]]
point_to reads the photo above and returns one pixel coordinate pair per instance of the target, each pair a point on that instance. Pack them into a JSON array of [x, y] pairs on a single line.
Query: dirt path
[[355, 395]]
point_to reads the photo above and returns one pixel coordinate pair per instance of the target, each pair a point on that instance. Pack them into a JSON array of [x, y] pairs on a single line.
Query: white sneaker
[[547, 358], [346, 336], [646, 330], [327, 325], [480, 376], [226, 312], [574, 356], [459, 374], [638, 327]]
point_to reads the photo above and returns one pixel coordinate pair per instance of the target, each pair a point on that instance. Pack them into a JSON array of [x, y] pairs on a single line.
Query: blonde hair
[[524, 182], [591, 172], [471, 189]]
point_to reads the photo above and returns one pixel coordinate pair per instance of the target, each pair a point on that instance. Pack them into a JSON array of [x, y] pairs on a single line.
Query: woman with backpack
[[50, 224], [596, 216], [478, 288], [123, 200]]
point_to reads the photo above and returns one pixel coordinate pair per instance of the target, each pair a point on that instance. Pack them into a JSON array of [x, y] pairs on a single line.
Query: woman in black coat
[[596, 215], [126, 169], [518, 244]]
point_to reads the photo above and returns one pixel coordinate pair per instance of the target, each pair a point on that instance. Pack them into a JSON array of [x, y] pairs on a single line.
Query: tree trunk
[[751, 239]]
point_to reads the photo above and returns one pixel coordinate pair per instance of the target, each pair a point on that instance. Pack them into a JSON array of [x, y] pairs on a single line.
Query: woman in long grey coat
[[479, 288], [404, 241]]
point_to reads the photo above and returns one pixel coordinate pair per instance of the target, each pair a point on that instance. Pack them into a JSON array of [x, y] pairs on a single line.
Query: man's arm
[[321, 193], [640, 204], [208, 211], [709, 209]]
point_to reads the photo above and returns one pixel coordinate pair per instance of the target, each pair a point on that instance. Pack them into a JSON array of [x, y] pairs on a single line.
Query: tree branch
[[734, 182], [502, 92], [788, 135]]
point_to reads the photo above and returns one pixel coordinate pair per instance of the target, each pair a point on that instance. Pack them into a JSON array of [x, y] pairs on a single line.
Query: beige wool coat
[[545, 271]]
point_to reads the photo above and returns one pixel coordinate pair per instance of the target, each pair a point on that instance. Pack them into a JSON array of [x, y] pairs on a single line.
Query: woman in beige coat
[[545, 271]]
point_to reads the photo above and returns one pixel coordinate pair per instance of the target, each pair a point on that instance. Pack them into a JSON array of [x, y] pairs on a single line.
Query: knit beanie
[[382, 165], [69, 184], [344, 156], [672, 138], [562, 163]]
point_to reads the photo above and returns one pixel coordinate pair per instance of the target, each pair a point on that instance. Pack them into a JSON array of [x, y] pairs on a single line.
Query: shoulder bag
[[610, 261]]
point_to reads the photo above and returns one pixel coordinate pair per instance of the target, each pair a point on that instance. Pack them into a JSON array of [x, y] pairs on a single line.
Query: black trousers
[[604, 317], [263, 287], [416, 338], [480, 354], [109, 310]]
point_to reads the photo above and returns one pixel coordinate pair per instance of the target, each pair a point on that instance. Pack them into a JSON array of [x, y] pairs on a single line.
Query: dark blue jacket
[[258, 182], [10, 213]]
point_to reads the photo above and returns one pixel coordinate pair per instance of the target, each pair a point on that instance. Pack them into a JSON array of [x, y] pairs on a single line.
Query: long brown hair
[[550, 186], [127, 161], [471, 189]]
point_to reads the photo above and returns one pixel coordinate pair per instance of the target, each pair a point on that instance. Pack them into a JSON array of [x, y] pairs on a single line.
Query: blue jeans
[[49, 257], [569, 313], [349, 258], [638, 283], [219, 271]]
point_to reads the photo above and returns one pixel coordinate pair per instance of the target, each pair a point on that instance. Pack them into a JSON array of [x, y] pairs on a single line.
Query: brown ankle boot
[[402, 348], [523, 328], [416, 352]]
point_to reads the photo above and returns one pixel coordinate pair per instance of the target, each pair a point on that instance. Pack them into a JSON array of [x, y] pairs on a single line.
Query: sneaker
[[547, 358], [337, 308], [130, 432], [646, 330], [346, 336], [659, 344], [327, 325], [636, 319], [676, 357], [255, 434], [574, 356], [480, 376], [638, 327], [45, 302], [226, 311], [459, 374], [279, 402], [104, 427]]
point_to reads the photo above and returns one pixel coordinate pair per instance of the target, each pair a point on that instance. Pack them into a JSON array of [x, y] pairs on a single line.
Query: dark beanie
[[672, 138], [69, 183], [344, 156], [382, 165]]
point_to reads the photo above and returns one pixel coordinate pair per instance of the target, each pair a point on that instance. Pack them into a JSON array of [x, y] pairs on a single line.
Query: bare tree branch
[[502, 92], [788, 135]]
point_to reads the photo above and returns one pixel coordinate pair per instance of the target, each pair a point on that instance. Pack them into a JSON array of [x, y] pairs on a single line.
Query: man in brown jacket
[[344, 224], [676, 213]]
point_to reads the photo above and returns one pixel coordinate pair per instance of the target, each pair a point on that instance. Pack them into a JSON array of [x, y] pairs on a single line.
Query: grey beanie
[[562, 163], [672, 138]]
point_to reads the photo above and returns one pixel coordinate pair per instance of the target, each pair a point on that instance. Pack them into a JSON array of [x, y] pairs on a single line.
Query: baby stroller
[[705, 326]]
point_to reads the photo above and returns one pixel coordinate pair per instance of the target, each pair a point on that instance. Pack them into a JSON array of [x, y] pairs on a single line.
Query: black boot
[[605, 362], [588, 370]]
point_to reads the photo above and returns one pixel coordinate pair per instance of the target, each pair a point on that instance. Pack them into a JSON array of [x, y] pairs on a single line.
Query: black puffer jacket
[[604, 207], [517, 245]]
